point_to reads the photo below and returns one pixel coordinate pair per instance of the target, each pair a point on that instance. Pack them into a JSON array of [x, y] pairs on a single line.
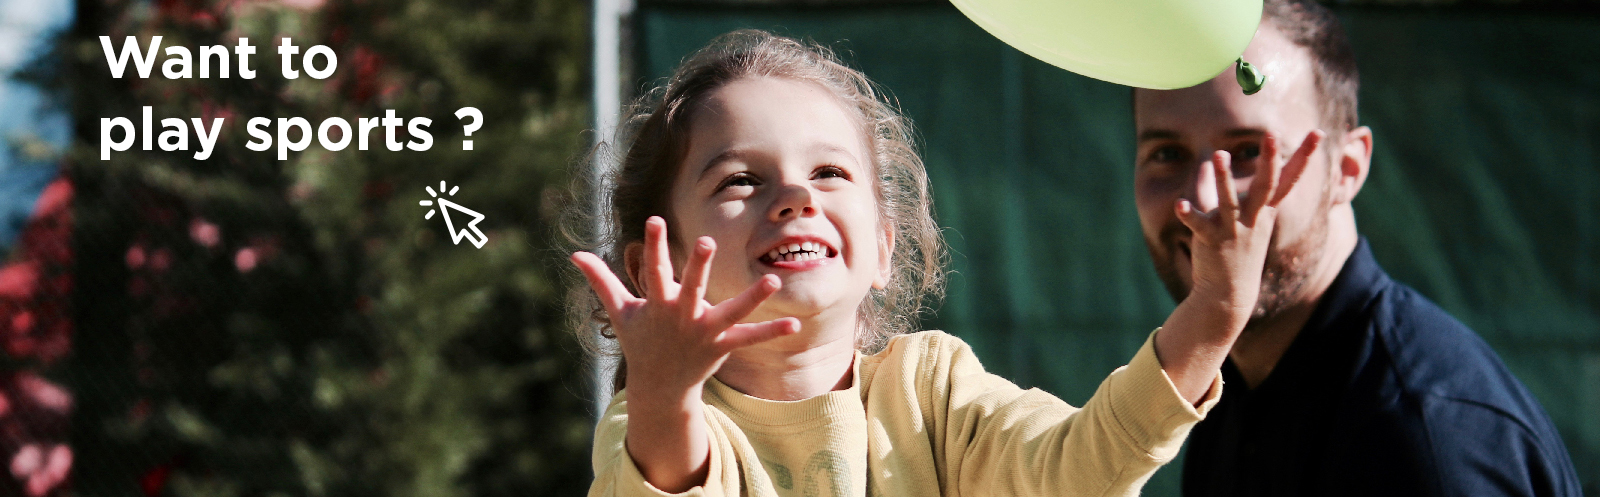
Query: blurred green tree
[[253, 326]]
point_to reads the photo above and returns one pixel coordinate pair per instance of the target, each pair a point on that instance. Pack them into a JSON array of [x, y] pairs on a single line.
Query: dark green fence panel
[[1484, 193]]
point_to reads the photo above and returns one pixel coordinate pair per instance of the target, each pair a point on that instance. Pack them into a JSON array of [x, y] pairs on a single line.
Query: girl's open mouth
[[800, 252]]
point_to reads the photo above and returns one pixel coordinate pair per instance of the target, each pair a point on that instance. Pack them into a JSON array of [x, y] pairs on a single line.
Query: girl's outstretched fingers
[[1297, 165], [747, 334], [1193, 216], [1227, 192], [695, 274], [613, 294], [1188, 214], [658, 261], [1265, 184], [730, 311]]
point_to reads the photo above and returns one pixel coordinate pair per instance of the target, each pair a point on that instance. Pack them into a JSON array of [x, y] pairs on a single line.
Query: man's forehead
[[1154, 133], [1197, 111], [1220, 106]]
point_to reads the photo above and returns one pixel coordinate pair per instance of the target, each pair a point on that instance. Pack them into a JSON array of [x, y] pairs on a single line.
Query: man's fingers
[[1227, 192], [695, 274], [732, 310], [613, 295], [657, 259], [1297, 165], [747, 334]]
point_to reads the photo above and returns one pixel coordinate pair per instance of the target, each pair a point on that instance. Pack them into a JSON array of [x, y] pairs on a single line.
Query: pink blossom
[[28, 460], [135, 257], [42, 470], [46, 394], [17, 281], [204, 232], [245, 260], [22, 322]]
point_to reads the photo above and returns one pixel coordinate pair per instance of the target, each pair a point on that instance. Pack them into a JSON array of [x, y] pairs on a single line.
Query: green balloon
[[1156, 44]]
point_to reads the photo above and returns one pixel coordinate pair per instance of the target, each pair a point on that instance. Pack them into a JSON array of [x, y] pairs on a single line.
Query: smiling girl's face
[[779, 173]]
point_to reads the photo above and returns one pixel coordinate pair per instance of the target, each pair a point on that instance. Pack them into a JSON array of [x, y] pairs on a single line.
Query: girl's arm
[[674, 341], [1229, 250], [990, 435]]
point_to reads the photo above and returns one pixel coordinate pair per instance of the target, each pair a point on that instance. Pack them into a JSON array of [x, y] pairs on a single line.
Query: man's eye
[[1244, 159], [1167, 155], [1247, 152]]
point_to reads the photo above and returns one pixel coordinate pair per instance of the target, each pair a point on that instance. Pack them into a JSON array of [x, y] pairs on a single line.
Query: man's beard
[[1284, 275]]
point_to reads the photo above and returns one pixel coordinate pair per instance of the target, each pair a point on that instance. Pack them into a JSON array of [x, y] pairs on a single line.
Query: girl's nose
[[794, 200]]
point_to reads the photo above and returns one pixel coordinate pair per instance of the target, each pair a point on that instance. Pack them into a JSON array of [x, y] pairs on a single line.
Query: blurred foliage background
[[247, 326]]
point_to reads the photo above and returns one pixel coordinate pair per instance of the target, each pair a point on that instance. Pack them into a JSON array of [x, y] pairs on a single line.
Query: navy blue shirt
[[1381, 393]]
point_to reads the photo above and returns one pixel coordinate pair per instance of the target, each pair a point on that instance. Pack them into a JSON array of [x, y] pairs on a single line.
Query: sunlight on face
[[779, 173]]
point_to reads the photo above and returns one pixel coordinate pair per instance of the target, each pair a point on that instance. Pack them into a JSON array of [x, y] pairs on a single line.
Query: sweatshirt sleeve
[[993, 437], [617, 476]]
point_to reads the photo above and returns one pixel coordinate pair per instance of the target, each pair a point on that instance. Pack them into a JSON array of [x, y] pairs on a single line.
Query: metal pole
[[610, 18]]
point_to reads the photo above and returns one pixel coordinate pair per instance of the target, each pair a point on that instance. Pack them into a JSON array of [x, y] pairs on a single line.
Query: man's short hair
[[1308, 24]]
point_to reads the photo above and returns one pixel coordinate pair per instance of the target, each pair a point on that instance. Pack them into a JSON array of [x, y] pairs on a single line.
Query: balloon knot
[[1250, 79]]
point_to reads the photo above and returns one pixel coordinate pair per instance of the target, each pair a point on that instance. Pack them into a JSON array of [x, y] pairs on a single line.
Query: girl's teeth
[[804, 251]]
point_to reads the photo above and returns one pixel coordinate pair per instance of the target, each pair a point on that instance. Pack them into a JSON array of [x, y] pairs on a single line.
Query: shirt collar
[[1342, 306], [1358, 283]]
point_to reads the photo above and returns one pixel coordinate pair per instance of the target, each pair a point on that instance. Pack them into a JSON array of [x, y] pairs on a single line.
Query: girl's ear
[[885, 258], [633, 259]]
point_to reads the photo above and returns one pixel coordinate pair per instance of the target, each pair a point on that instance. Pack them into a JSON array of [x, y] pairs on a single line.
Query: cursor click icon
[[470, 231]]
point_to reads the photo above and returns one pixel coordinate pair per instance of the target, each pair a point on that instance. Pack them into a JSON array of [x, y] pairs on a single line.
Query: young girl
[[773, 228]]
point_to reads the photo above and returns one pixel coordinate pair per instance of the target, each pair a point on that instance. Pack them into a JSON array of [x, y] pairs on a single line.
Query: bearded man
[[1345, 382]]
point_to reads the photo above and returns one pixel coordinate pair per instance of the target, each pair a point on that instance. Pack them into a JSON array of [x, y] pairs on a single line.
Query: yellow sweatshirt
[[923, 418]]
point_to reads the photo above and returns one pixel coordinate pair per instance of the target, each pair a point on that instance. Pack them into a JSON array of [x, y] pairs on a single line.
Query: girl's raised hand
[[1228, 252], [1229, 247], [674, 341], [672, 338]]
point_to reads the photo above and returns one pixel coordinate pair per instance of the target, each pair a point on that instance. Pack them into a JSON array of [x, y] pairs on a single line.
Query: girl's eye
[[738, 179], [831, 172]]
